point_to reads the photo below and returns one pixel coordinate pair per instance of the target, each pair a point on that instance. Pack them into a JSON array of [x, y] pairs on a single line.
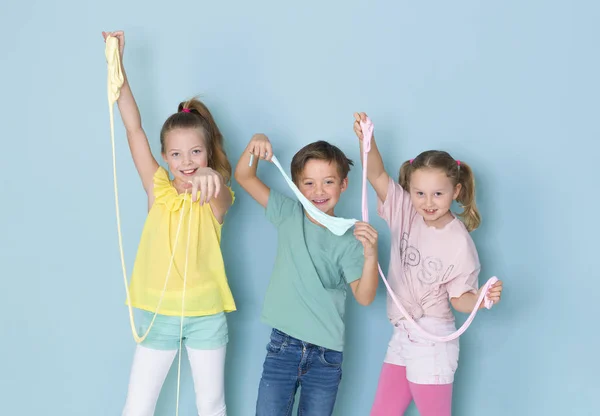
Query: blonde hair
[[193, 114], [457, 171]]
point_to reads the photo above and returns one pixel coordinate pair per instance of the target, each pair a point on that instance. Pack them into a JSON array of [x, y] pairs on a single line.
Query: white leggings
[[149, 371]]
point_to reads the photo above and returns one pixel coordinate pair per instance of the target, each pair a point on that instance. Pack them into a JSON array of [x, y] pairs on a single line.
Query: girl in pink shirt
[[433, 264]]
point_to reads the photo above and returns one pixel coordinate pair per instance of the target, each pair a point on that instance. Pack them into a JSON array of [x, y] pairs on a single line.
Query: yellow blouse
[[207, 291]]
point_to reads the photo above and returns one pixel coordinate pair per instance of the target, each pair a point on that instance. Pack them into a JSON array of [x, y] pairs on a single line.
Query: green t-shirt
[[307, 292]]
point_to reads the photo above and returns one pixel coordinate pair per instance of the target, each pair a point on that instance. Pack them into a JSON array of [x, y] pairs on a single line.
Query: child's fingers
[[217, 186], [361, 225], [262, 149], [360, 116], [362, 240], [496, 291], [372, 238], [119, 35], [210, 189], [494, 299], [269, 153], [494, 294], [200, 188], [366, 235], [358, 130], [266, 150], [203, 190], [194, 190]]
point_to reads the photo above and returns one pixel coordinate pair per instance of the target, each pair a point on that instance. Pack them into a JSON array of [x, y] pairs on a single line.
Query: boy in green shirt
[[305, 300]]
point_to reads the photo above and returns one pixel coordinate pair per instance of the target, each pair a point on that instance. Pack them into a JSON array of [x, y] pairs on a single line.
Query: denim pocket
[[277, 343], [331, 358]]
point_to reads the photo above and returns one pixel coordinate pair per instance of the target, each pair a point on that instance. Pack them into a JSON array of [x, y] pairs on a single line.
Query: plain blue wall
[[510, 87]]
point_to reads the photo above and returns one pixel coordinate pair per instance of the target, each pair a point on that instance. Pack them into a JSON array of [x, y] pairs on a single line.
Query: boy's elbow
[[365, 300], [239, 176], [364, 295]]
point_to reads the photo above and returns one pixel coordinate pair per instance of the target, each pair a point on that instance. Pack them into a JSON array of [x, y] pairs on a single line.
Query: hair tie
[[410, 161], [185, 110]]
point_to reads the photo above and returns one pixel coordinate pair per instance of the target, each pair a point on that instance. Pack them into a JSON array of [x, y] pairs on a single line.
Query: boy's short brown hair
[[320, 150]]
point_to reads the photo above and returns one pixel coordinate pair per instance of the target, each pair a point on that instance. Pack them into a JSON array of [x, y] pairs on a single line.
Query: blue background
[[509, 87]]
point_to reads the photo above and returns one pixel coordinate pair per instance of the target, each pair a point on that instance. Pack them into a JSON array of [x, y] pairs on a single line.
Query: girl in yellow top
[[192, 147]]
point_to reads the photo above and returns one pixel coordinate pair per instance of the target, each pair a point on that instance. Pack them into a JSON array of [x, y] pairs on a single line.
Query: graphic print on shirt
[[429, 270]]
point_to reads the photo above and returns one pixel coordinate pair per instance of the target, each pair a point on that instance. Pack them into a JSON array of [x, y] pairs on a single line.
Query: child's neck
[[181, 186]]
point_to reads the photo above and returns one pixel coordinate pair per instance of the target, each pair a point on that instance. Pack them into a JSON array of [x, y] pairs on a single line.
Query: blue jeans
[[290, 363]]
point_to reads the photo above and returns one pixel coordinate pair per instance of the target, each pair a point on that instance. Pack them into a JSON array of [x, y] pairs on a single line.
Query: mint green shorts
[[199, 332]]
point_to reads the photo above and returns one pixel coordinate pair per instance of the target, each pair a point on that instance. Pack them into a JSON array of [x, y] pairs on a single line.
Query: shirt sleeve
[[466, 274], [279, 207], [397, 204], [353, 260]]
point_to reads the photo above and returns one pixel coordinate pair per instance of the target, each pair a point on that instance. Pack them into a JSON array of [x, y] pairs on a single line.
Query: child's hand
[[368, 236], [494, 293], [358, 117], [260, 146], [208, 181], [120, 35]]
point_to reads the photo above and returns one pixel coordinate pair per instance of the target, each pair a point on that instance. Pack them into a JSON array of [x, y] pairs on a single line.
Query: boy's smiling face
[[321, 184]]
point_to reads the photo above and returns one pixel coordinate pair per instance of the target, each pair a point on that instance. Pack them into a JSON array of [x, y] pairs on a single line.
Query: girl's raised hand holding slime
[[120, 35]]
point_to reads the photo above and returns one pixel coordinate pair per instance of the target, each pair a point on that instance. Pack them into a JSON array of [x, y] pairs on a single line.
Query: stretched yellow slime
[[114, 83]]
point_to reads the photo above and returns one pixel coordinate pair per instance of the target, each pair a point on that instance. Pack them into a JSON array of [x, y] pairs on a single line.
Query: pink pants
[[395, 392]]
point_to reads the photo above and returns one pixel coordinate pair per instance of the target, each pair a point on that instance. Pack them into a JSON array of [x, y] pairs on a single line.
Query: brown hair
[[458, 172], [320, 150], [193, 114]]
